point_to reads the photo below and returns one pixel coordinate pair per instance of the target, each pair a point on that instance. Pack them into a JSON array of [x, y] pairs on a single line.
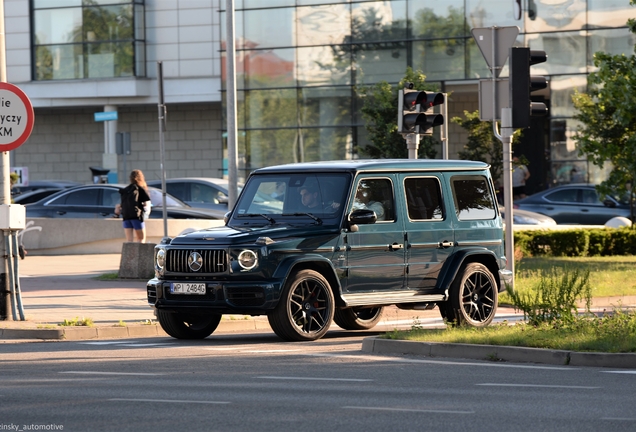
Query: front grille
[[245, 296], [213, 261]]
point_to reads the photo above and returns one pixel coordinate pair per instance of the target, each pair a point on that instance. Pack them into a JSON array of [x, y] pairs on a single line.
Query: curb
[[500, 353], [118, 332]]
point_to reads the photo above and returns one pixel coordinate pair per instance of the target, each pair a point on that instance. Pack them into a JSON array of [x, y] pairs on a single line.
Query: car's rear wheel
[[305, 309], [473, 297], [358, 318], [188, 326]]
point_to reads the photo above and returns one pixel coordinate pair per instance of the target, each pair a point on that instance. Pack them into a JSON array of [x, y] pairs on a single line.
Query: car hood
[[267, 234]]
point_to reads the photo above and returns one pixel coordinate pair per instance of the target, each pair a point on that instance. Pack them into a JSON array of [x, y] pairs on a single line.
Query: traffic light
[[413, 111], [522, 84]]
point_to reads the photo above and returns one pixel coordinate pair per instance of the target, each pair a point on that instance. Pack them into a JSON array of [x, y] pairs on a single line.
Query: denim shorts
[[135, 224]]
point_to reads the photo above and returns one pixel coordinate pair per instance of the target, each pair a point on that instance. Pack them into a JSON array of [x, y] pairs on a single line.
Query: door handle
[[61, 212], [446, 244], [585, 210], [396, 246]]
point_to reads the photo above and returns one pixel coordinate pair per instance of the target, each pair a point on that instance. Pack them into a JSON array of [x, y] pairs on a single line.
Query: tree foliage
[[608, 116], [379, 112], [482, 144]]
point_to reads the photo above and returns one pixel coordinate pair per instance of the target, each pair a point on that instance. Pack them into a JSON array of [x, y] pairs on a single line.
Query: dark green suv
[[314, 242]]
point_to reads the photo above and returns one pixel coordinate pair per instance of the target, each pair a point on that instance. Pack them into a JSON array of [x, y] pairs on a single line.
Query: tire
[[473, 297], [305, 309], [358, 318], [186, 326]]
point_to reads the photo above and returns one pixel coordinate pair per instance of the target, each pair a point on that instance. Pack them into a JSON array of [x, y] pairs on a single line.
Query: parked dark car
[[99, 200], [575, 204], [44, 184], [200, 192], [33, 196]]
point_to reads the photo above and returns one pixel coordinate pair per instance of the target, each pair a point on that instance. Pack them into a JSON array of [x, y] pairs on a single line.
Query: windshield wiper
[[269, 219], [317, 219]]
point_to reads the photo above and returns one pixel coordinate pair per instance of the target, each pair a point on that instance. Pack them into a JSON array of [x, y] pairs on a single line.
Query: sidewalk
[[58, 288]]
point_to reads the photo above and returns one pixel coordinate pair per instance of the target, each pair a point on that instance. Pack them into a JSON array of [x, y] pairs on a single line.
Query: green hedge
[[577, 242]]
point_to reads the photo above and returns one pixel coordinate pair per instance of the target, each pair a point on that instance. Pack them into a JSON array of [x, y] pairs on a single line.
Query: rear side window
[[473, 198], [423, 198], [81, 197]]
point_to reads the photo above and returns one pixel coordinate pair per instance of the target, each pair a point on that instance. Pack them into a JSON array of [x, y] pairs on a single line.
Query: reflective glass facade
[[77, 39], [298, 62]]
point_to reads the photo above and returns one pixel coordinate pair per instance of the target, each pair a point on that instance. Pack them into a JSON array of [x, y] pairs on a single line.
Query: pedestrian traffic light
[[414, 111], [522, 84]]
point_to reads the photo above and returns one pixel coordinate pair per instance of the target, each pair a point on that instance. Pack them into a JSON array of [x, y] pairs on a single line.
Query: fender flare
[[314, 262], [457, 260]]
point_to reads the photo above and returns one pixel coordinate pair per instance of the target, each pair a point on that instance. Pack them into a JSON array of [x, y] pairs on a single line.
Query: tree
[[379, 111], [482, 144], [608, 116]]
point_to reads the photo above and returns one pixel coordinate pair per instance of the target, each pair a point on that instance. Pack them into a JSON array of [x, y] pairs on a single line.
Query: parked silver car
[[199, 192]]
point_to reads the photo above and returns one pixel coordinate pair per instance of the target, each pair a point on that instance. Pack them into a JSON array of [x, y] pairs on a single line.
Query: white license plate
[[187, 288]]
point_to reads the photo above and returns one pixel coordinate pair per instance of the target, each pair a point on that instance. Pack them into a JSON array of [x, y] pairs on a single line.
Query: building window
[[79, 39]]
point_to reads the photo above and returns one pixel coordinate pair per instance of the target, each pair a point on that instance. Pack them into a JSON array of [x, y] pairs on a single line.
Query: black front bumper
[[241, 297]]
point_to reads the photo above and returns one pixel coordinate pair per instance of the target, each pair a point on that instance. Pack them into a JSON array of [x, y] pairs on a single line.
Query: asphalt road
[[254, 381]]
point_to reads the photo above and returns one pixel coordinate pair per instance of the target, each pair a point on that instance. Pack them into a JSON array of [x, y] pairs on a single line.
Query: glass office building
[[299, 62]]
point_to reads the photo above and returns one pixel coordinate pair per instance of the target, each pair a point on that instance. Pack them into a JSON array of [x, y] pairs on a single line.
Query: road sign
[[23, 175], [504, 38], [486, 105], [105, 116], [16, 117]]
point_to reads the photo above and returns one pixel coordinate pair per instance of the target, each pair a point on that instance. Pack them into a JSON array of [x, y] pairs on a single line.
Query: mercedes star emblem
[[195, 261]]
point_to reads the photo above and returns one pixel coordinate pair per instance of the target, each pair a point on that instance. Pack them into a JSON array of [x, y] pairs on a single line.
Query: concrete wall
[[45, 236], [66, 141]]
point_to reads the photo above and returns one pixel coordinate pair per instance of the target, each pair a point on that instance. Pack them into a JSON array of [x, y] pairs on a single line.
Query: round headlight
[[247, 259], [161, 258]]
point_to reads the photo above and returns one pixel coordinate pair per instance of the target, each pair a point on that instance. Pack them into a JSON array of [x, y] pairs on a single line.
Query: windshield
[[294, 195]]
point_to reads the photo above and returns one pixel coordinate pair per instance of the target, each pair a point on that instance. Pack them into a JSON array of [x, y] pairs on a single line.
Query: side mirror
[[609, 203], [362, 217], [222, 199]]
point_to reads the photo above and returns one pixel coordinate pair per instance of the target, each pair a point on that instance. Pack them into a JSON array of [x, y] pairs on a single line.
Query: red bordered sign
[[16, 117]]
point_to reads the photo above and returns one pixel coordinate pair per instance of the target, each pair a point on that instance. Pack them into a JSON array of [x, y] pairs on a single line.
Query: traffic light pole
[[412, 144], [506, 141]]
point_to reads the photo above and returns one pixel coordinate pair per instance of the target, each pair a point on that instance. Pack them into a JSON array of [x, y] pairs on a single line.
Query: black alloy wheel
[[358, 318], [473, 297], [187, 326], [305, 309]]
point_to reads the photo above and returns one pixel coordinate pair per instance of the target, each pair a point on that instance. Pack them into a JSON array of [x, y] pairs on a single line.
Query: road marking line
[[111, 373], [314, 379], [102, 343], [452, 363], [632, 372], [221, 349], [410, 410], [171, 401], [269, 351], [539, 385], [618, 418], [144, 344]]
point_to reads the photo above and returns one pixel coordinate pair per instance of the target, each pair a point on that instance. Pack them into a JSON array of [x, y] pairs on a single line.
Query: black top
[[133, 198]]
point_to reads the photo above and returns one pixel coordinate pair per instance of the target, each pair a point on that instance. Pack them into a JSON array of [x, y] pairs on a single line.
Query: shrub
[[554, 299], [576, 242]]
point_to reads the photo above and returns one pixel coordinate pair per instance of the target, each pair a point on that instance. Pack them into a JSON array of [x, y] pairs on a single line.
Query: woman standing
[[134, 207]]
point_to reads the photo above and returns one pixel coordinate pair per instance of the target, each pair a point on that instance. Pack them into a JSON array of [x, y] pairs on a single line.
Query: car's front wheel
[[305, 309], [187, 326], [358, 318], [473, 297]]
